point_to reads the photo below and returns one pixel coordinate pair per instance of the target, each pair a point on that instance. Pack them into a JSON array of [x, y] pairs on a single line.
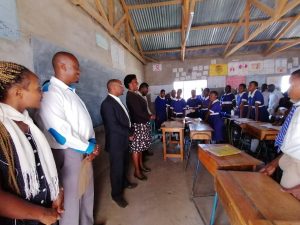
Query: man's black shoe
[[121, 202], [131, 185]]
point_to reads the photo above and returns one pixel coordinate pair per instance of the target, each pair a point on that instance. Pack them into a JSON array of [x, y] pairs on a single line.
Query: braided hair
[[10, 74]]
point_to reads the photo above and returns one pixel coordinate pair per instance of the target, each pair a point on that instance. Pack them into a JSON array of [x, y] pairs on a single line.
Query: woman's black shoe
[[142, 177], [145, 169]]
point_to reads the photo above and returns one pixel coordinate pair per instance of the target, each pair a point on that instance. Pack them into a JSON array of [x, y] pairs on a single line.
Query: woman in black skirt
[[140, 120]]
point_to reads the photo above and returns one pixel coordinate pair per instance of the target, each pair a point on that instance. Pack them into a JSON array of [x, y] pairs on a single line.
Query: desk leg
[[181, 144], [195, 176], [164, 145], [214, 208], [188, 153]]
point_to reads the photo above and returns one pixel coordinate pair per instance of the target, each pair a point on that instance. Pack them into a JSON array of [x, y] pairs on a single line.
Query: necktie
[[282, 132]]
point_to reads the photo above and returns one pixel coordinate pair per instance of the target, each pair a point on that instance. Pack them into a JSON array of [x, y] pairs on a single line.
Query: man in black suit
[[117, 126]]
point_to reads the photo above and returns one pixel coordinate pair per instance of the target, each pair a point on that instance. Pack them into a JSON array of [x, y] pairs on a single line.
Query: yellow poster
[[218, 70]]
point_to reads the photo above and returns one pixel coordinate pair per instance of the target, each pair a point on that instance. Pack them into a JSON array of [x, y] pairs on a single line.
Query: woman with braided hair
[[29, 189]]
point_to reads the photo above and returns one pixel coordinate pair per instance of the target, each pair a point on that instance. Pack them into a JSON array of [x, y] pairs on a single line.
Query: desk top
[[198, 127], [249, 196], [172, 124], [212, 163], [262, 131]]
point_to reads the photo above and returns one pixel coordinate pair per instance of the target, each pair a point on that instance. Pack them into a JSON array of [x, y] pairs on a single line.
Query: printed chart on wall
[[218, 70], [235, 81], [216, 81]]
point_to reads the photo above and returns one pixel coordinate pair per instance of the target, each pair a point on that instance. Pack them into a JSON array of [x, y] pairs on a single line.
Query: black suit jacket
[[116, 125]]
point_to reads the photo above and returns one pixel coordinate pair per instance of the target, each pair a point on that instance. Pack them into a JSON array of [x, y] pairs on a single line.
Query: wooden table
[[212, 163], [198, 131], [254, 198], [173, 127], [262, 131]]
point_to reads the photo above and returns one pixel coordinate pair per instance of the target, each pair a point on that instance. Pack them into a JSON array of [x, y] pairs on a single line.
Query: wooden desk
[[260, 132], [212, 163], [198, 131], [173, 127], [240, 161], [254, 198]]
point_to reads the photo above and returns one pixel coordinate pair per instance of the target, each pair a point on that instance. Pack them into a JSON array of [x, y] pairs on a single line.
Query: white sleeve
[[54, 120]]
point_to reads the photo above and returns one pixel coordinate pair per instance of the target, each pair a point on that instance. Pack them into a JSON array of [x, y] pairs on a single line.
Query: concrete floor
[[164, 199]]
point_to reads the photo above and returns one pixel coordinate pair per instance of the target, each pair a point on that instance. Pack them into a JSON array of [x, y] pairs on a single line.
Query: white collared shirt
[[291, 141], [65, 118], [122, 105]]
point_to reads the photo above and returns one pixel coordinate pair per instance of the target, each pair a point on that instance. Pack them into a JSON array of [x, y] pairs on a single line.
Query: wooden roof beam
[[247, 19], [286, 7], [236, 29], [101, 10], [296, 42], [263, 7], [158, 4], [104, 23], [219, 46], [135, 34], [210, 26], [282, 33], [117, 26], [111, 12], [184, 23]]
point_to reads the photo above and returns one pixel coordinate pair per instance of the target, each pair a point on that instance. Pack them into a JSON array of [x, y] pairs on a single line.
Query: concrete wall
[[65, 25], [166, 76]]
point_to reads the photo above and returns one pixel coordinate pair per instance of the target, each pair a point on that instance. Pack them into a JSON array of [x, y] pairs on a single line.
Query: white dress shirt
[[65, 118], [274, 98], [291, 141]]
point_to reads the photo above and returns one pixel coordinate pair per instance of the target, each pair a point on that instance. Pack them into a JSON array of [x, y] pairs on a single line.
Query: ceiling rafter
[[101, 9], [210, 26], [283, 8], [121, 21], [158, 4], [288, 41], [235, 30], [247, 19], [295, 42], [263, 7], [136, 35], [282, 33], [184, 21], [111, 12], [95, 14]]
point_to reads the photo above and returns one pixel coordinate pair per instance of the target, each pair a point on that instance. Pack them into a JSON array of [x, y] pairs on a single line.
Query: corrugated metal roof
[[165, 56], [161, 41], [156, 18], [209, 36], [138, 2], [215, 52], [218, 11], [206, 12]]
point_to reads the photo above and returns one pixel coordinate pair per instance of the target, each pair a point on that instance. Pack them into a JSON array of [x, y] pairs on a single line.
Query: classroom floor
[[164, 199]]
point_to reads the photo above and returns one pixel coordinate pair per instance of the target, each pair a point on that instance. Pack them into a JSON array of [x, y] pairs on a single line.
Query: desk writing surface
[[262, 131], [197, 127], [212, 163], [172, 124], [250, 196]]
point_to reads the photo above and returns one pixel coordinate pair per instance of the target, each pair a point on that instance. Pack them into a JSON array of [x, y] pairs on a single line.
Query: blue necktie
[[282, 132]]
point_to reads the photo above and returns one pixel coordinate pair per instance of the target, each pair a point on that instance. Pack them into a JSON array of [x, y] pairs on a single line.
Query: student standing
[[29, 190], [178, 105], [194, 103], [160, 109], [69, 130], [265, 93], [117, 127], [256, 108], [274, 99], [204, 103], [214, 118], [288, 142], [227, 101], [242, 101]]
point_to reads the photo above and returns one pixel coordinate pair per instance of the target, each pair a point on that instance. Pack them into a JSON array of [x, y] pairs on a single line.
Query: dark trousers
[[119, 163]]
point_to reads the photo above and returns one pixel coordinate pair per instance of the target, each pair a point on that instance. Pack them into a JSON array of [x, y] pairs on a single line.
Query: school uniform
[[257, 97], [178, 106], [204, 106], [288, 141], [160, 109], [226, 102], [216, 122], [242, 98], [194, 103]]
